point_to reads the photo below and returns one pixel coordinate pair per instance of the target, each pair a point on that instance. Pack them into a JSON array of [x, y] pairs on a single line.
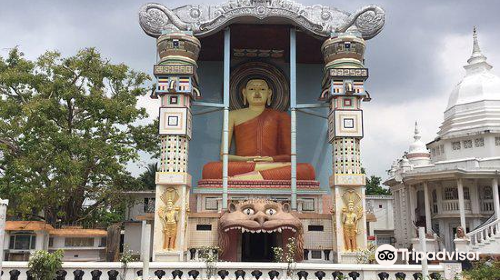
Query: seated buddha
[[262, 141]]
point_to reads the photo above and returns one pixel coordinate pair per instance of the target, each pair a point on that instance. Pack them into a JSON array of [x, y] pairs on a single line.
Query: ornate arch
[[205, 20]]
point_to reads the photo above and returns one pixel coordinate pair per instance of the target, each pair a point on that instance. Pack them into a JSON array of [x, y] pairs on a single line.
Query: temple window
[[450, 193], [441, 147], [466, 193], [497, 141], [456, 146], [22, 241], [308, 204], [479, 142], [202, 227], [468, 144], [315, 228], [211, 203], [316, 254], [79, 242]]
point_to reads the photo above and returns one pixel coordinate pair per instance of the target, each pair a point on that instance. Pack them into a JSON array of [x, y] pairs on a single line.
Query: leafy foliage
[[126, 257], [210, 255], [148, 177], [68, 127], [367, 256], [44, 265], [483, 270], [373, 186], [286, 255]]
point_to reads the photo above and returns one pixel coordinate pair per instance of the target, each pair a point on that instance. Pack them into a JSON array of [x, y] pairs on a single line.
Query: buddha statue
[[262, 140]]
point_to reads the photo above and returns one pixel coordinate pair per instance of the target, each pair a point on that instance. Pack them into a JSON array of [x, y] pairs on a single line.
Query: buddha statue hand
[[250, 158], [262, 159]]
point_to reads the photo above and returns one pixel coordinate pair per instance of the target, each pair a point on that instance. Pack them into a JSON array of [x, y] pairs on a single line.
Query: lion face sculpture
[[259, 216]]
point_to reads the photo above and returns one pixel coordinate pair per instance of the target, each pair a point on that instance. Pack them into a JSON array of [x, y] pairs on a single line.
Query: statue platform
[[260, 184]]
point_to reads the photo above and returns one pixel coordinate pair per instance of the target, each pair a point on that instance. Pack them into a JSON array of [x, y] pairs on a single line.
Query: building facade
[[22, 238], [450, 185]]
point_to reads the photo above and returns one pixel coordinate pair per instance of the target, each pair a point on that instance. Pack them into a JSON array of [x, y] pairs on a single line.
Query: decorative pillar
[[176, 87], [461, 204], [413, 200], [475, 200], [343, 89], [427, 201], [439, 195], [3, 218], [225, 126], [496, 198], [293, 116]]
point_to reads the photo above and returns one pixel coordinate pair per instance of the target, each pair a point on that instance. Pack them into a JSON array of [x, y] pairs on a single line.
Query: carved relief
[[204, 20], [169, 217], [350, 218]]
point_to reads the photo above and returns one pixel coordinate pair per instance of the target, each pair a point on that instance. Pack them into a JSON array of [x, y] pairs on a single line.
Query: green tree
[[373, 185], [148, 177], [68, 127]]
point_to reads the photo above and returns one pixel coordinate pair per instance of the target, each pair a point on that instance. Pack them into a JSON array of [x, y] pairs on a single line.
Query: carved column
[[176, 87], [427, 201], [461, 203], [343, 89], [496, 197]]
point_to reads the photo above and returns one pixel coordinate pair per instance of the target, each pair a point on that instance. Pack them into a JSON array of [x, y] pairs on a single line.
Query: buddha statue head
[[257, 93]]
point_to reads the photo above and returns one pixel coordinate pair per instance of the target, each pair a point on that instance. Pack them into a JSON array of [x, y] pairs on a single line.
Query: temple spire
[[417, 132], [476, 48], [477, 60]]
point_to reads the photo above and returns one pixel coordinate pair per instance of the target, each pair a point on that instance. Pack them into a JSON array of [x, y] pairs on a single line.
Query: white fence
[[232, 271]]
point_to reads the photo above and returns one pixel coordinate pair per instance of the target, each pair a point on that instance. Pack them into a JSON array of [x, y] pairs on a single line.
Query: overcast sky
[[414, 63]]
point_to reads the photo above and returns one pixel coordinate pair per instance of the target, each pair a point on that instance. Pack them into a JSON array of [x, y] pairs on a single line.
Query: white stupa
[[474, 103], [418, 153]]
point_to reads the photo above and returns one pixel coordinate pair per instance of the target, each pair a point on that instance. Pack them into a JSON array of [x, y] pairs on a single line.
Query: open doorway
[[257, 247]]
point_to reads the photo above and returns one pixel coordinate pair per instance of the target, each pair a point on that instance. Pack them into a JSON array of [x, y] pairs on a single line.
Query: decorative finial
[[417, 132], [477, 56], [475, 48]]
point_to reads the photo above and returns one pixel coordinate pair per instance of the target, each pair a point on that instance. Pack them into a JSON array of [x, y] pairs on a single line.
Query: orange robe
[[265, 135]]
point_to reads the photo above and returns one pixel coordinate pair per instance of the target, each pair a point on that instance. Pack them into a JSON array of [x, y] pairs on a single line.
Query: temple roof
[[204, 20]]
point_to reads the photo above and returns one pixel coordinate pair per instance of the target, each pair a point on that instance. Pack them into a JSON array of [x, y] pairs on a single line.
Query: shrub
[[483, 270], [44, 265]]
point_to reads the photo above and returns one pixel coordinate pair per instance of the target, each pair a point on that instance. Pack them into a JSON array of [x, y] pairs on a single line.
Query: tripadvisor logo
[[388, 255]]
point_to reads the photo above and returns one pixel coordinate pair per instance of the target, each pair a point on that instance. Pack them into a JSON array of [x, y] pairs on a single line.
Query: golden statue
[[262, 140], [350, 218], [169, 217]]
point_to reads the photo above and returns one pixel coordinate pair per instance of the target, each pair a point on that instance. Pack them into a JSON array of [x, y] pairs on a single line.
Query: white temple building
[[452, 181]]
